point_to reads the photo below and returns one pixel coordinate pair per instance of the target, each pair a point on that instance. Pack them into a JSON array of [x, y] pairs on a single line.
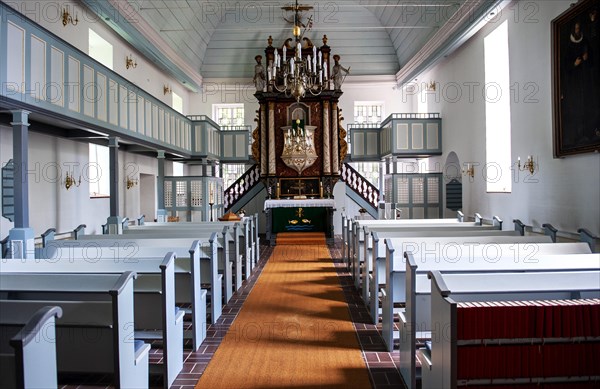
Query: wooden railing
[[360, 185], [241, 186]]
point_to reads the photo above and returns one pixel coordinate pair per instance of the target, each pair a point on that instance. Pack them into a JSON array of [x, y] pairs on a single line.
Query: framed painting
[[576, 79]]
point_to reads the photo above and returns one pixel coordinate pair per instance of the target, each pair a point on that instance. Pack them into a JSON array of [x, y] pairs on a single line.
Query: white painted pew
[[415, 322], [154, 297], [440, 367], [27, 346], [456, 251], [404, 226], [429, 241], [229, 259], [107, 300], [358, 230], [247, 228], [195, 266], [208, 264]]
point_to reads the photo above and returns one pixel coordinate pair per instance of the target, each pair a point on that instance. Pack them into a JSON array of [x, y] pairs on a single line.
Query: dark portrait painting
[[576, 79]]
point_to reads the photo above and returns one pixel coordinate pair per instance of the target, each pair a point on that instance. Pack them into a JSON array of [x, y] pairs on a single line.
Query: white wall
[[564, 192], [51, 205]]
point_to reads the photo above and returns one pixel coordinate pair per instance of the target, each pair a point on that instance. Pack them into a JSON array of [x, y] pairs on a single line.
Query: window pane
[[497, 111], [98, 171], [100, 49]]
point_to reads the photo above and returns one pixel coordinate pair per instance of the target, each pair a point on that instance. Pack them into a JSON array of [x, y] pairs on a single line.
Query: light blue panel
[[148, 122], [101, 100], [228, 140], [123, 96], [55, 92], [89, 95], [358, 143], [372, 143], [417, 136], [73, 83], [3, 52], [402, 136], [385, 141], [241, 148], [161, 124], [37, 83], [113, 102], [165, 123], [433, 142], [141, 117], [155, 126], [15, 62], [132, 111]]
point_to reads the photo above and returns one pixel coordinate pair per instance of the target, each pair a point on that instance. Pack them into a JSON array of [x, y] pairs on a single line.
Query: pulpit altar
[[299, 215]]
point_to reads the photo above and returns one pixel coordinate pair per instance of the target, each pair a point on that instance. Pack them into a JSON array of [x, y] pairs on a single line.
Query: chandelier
[[298, 146], [296, 74]]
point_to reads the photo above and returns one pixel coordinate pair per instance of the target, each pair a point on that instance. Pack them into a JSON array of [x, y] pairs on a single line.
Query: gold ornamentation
[[343, 143], [298, 147]]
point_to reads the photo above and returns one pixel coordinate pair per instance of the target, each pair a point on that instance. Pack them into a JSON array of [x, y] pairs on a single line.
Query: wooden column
[[263, 140], [335, 139], [272, 156], [326, 140]]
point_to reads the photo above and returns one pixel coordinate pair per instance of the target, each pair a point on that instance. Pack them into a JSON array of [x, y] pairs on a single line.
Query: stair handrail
[[241, 186], [360, 185]]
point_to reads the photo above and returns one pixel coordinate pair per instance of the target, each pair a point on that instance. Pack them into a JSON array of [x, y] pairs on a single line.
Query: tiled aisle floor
[[382, 365]]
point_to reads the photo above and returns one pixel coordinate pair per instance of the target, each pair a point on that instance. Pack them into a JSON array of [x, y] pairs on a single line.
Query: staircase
[[243, 190], [365, 194], [362, 191]]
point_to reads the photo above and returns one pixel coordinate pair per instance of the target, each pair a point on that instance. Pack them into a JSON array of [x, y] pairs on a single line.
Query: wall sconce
[[469, 171], [129, 62], [167, 89], [528, 165], [67, 18], [131, 182], [431, 86], [70, 181]]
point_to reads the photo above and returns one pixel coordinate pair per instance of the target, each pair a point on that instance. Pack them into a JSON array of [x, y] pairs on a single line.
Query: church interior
[[299, 194]]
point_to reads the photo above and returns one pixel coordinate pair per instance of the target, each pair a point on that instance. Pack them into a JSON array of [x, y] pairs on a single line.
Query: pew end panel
[[586, 236], [111, 296], [392, 294], [32, 364], [132, 366]]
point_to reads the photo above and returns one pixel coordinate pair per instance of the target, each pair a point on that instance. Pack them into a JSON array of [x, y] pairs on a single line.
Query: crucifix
[[299, 186]]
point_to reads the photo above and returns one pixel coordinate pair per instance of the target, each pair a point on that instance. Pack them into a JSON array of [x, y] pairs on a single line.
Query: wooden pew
[[107, 303], [154, 297], [415, 322], [405, 226], [195, 266], [465, 251], [27, 346], [375, 264], [445, 366]]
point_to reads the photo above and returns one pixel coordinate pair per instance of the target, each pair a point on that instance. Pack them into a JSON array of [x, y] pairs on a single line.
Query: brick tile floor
[[382, 365]]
